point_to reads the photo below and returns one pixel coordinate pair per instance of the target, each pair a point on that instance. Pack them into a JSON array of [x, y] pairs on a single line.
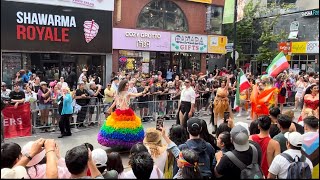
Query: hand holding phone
[[159, 124], [226, 116]]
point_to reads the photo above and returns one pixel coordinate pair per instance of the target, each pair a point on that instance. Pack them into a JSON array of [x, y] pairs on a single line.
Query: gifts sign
[[90, 29]]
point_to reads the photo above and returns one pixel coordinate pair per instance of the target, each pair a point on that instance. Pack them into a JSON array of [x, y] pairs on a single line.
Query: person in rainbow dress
[[122, 128]]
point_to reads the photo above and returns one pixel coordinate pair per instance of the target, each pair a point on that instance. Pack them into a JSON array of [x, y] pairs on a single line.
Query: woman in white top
[[63, 84], [301, 86], [152, 141]]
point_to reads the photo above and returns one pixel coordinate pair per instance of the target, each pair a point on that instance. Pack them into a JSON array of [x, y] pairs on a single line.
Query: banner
[[228, 14], [312, 47], [240, 9], [189, 43], [202, 1], [107, 5], [17, 124], [298, 47], [285, 47], [46, 28], [217, 44]]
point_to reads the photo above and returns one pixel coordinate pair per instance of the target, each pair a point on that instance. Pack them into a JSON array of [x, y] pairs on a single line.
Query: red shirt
[[263, 142]]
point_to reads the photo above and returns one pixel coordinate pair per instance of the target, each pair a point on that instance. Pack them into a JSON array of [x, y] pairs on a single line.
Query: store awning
[[293, 35]]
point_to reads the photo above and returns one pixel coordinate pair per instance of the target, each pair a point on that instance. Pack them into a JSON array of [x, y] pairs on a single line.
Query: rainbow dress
[[121, 129]]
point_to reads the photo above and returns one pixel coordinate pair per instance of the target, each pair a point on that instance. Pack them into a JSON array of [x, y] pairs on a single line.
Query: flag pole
[[234, 31]]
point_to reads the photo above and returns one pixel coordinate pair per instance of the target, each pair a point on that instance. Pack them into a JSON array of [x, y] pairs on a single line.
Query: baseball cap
[[194, 126], [3, 84], [294, 138], [37, 158], [240, 138], [17, 172], [43, 83], [99, 157]]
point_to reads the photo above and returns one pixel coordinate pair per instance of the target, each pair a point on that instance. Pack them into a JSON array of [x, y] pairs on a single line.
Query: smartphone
[[226, 116], [159, 123]]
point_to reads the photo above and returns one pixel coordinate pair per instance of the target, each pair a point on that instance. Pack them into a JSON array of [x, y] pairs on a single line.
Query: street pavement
[[89, 134]]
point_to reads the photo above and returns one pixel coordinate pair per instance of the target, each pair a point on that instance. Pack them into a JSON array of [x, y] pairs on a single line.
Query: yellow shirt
[[107, 98]]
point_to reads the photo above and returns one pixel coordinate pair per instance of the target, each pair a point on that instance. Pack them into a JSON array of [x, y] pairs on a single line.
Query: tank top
[[263, 142]]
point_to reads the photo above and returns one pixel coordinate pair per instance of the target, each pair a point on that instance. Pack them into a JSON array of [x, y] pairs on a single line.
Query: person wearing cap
[[186, 104], [44, 97], [280, 165], [4, 91], [243, 150], [152, 141], [100, 158], [310, 146], [84, 73], [109, 94], [203, 148], [17, 96]]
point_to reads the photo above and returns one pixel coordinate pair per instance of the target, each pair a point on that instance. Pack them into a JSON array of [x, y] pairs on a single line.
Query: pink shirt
[[40, 171]]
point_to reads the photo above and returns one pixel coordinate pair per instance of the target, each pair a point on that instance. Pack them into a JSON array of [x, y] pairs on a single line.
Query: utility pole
[[234, 31]]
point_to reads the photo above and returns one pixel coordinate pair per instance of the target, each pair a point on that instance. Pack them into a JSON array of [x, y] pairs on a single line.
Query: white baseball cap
[[17, 172], [294, 138], [99, 157]]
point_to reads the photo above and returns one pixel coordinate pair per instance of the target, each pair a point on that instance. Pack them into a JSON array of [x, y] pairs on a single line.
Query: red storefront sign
[[285, 47], [17, 122]]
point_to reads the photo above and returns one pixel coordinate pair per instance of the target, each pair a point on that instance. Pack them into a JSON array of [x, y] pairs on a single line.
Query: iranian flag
[[278, 65], [242, 85]]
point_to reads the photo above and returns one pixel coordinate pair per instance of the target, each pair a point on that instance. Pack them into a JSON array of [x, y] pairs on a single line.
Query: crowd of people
[[272, 145]]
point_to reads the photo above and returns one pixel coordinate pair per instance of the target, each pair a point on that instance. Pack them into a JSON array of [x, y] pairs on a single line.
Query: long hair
[[122, 85], [115, 162], [191, 172], [309, 89], [205, 135], [178, 134]]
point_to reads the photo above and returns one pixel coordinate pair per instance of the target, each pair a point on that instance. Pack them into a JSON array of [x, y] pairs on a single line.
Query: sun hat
[[294, 138], [152, 136], [37, 158], [17, 172], [99, 157], [240, 138]]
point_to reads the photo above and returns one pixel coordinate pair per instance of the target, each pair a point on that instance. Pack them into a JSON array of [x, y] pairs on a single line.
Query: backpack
[[298, 169], [205, 163], [252, 171]]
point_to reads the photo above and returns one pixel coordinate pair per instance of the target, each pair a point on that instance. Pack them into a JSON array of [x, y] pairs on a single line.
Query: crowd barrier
[[27, 121]]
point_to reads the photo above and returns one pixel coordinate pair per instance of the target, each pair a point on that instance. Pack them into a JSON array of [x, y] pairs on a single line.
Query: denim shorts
[[44, 106]]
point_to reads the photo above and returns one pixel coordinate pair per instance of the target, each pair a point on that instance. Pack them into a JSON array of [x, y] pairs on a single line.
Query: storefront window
[[11, 64], [130, 61], [187, 62], [162, 14], [214, 19]]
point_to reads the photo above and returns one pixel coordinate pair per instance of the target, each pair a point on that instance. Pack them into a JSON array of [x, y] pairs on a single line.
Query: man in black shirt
[[225, 168], [142, 101], [17, 96], [82, 99]]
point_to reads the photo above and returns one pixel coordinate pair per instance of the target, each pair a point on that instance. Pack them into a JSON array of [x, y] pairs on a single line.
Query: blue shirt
[[67, 107]]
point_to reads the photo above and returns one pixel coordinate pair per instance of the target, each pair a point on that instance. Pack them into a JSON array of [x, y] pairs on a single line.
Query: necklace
[[313, 96]]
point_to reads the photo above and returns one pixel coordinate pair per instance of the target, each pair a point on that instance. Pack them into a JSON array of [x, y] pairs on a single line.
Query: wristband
[[49, 151]]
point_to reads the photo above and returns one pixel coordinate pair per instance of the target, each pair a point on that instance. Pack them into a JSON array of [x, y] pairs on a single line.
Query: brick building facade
[[126, 16]]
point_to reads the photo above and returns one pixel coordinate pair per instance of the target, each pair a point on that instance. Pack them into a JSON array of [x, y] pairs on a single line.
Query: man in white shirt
[[187, 101], [84, 73], [62, 83], [4, 91], [280, 165]]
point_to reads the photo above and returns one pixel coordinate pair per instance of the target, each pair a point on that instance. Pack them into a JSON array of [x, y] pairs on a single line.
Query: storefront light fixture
[[67, 10]]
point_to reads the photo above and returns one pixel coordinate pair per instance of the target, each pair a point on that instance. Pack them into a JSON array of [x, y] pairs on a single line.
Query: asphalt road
[[89, 135]]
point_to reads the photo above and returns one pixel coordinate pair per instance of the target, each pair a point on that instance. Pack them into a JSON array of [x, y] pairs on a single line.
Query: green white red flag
[[278, 65], [242, 84]]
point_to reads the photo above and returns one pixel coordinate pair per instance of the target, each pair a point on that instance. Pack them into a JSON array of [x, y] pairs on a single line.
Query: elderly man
[[4, 91]]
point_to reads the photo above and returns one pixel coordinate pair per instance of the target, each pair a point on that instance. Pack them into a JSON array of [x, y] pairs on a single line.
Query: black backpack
[[252, 171], [299, 168]]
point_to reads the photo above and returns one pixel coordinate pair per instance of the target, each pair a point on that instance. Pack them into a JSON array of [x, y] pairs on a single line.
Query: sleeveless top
[[263, 142], [312, 104]]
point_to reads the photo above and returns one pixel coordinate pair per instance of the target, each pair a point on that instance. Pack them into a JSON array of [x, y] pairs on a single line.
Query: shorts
[[142, 105], [106, 107], [44, 106]]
